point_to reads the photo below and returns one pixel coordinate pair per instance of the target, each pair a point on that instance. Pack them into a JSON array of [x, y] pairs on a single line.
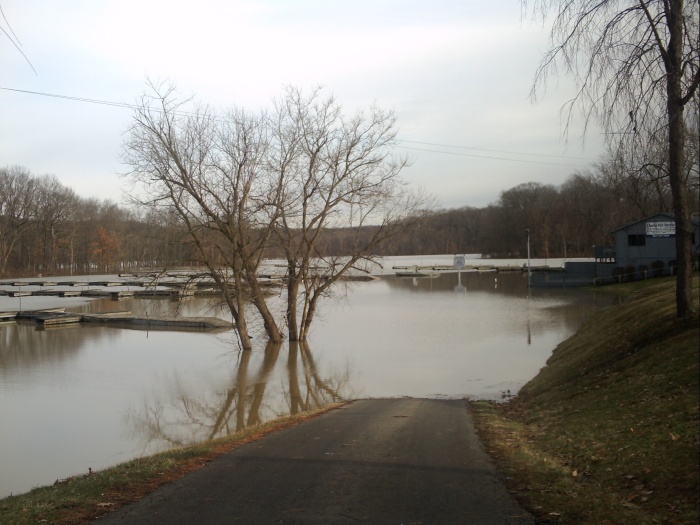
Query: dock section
[[125, 319], [432, 270], [59, 317]]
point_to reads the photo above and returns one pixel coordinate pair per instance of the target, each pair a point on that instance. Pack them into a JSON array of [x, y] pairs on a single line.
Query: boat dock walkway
[[59, 317], [417, 270], [171, 291]]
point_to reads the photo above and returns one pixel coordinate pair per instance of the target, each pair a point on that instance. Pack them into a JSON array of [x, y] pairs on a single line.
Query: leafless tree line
[[45, 228], [565, 220]]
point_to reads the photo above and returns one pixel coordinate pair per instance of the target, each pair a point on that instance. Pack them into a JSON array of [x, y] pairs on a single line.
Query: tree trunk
[[292, 306], [676, 149], [243, 334], [271, 328], [236, 305], [296, 402], [309, 315]]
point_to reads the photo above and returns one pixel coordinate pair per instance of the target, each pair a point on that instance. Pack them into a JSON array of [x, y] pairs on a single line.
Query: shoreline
[[84, 497]]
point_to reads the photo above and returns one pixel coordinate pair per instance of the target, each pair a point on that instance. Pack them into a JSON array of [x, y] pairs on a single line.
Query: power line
[[460, 154], [493, 158], [105, 102], [76, 99], [497, 150], [14, 40]]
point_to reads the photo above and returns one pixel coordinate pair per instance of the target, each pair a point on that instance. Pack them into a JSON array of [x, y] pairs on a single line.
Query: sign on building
[[661, 228]]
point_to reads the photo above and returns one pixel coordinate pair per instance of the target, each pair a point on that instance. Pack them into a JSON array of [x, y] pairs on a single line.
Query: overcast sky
[[458, 74]]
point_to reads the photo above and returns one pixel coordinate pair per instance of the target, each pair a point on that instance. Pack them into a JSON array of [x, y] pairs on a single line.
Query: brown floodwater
[[85, 396]]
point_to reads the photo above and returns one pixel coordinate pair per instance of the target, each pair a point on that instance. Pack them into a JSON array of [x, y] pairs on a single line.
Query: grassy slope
[[607, 432]]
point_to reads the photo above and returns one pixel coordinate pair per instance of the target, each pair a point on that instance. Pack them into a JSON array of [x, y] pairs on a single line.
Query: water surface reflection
[[184, 416], [91, 396]]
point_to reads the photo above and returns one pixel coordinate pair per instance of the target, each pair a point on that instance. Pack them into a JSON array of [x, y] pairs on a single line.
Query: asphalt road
[[384, 461]]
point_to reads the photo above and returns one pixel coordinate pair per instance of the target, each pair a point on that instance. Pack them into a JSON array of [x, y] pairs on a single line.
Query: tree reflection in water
[[253, 397]]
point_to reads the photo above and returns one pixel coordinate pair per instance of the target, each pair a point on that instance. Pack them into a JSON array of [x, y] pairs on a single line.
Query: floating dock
[[58, 317], [431, 270], [72, 293], [8, 317], [180, 323], [52, 319]]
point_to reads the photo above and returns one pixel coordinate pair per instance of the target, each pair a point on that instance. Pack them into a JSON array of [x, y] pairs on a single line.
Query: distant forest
[[45, 228]]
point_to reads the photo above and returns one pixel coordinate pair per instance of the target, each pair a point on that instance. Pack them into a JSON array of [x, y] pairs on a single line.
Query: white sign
[[459, 262], [661, 229]]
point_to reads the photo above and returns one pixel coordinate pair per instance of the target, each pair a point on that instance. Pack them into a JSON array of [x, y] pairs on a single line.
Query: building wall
[[655, 249], [626, 262]]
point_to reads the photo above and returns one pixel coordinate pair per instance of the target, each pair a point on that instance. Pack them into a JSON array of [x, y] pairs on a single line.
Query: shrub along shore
[[607, 432]]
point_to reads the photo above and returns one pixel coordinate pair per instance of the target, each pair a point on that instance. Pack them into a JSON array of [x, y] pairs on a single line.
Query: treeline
[[563, 221], [566, 220], [45, 228]]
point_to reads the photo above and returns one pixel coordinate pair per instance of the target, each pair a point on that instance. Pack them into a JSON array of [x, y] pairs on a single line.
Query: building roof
[[693, 219]]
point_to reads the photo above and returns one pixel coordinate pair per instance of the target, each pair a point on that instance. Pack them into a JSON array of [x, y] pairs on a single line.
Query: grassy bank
[[607, 432], [80, 499]]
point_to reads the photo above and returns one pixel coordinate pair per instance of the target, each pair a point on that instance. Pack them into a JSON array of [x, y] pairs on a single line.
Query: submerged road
[[393, 461]]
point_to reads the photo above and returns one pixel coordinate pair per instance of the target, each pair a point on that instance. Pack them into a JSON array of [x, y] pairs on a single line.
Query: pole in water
[[459, 263], [529, 270]]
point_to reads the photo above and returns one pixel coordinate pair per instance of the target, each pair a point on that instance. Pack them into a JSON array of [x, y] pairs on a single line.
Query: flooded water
[[88, 396]]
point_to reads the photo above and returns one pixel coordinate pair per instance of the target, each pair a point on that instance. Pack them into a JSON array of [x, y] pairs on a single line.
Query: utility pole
[[529, 271]]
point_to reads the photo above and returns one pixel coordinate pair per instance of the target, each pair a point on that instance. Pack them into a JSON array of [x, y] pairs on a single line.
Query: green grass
[[607, 432], [80, 499]]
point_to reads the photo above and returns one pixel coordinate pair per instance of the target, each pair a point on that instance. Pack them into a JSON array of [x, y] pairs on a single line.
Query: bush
[[658, 267], [630, 271], [618, 272], [643, 270]]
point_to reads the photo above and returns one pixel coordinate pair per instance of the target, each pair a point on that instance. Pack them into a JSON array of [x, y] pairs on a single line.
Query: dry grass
[[608, 430]]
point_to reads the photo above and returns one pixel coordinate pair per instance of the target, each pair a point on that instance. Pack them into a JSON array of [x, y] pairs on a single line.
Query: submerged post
[[459, 263], [529, 270]]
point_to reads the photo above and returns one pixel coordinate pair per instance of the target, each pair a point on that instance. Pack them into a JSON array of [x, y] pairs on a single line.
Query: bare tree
[[205, 173], [588, 204], [335, 171], [636, 67], [244, 185], [533, 206], [7, 31], [646, 177], [17, 199], [55, 203]]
